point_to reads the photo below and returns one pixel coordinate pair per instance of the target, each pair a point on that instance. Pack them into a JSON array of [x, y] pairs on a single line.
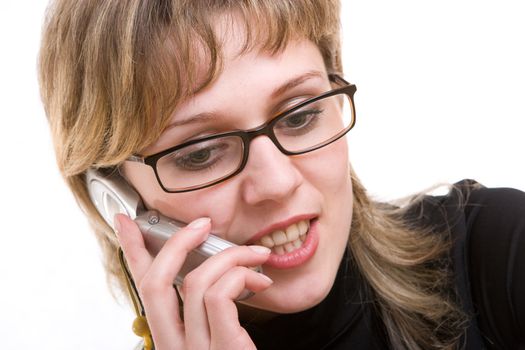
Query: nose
[[269, 175]]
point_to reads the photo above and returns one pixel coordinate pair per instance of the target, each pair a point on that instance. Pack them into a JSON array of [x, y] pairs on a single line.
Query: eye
[[201, 162], [298, 120], [299, 123], [199, 157]]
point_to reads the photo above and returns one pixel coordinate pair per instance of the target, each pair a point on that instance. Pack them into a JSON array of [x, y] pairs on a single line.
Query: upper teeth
[[286, 239]]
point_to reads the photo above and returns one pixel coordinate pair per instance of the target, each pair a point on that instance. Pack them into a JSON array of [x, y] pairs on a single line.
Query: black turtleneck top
[[487, 258]]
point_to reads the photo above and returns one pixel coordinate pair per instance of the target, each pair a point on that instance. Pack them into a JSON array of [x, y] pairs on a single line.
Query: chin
[[290, 295]]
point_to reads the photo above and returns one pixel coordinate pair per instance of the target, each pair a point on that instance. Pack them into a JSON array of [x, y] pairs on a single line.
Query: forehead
[[256, 74], [242, 48]]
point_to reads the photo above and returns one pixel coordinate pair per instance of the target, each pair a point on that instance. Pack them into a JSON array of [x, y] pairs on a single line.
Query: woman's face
[[274, 191]]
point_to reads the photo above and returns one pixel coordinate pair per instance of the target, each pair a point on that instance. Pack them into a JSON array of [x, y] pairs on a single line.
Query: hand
[[210, 316]]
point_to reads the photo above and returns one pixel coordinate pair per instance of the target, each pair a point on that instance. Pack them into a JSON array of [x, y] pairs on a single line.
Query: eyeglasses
[[307, 126]]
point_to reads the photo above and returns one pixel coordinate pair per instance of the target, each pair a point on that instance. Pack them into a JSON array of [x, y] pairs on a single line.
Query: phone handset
[[111, 195]]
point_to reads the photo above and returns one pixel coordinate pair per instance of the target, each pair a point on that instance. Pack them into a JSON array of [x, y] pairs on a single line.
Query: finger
[[159, 296], [201, 278], [221, 310], [215, 266], [172, 255], [132, 243]]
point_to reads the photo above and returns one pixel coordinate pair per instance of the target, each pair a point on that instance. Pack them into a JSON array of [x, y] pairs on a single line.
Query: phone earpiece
[[112, 195]]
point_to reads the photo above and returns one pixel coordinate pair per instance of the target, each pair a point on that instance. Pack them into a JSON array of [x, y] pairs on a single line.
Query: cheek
[[328, 172], [143, 179], [181, 206], [217, 203], [328, 169]]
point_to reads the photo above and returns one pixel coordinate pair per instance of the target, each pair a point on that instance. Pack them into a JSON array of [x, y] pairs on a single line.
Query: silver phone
[[111, 195]]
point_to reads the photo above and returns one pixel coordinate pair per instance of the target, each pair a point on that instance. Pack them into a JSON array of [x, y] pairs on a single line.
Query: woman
[[231, 116]]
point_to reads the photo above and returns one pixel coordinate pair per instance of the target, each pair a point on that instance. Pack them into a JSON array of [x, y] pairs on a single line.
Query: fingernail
[[199, 223], [260, 249], [266, 278]]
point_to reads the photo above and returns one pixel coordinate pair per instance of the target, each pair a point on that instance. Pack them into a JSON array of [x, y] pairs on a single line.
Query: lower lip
[[298, 256]]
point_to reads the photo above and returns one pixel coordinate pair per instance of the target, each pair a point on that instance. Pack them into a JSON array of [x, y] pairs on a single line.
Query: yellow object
[[148, 343], [140, 326]]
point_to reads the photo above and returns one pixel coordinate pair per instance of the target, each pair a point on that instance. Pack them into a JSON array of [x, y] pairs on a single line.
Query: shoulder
[[480, 207], [487, 228], [494, 223], [496, 242], [500, 207]]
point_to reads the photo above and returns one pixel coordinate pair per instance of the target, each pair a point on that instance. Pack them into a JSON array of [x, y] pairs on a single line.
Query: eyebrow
[[296, 81], [288, 85], [197, 118]]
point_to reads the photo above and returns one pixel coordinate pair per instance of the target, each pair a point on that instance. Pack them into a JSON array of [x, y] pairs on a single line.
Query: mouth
[[292, 242], [286, 240]]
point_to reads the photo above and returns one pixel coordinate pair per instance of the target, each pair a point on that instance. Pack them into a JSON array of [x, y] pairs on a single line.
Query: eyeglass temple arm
[[136, 158], [336, 78]]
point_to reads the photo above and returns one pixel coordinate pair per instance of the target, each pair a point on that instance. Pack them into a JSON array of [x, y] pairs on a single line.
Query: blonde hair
[[111, 73]]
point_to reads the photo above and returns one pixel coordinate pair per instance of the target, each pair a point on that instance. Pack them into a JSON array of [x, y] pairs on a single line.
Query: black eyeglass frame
[[248, 135]]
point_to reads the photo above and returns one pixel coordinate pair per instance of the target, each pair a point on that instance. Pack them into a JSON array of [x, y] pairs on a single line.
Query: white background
[[441, 92]]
